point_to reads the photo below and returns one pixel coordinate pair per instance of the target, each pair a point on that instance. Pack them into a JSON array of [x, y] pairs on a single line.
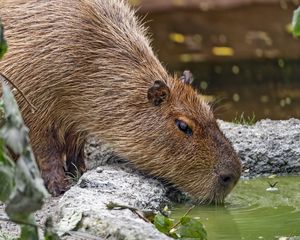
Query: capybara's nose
[[227, 180]]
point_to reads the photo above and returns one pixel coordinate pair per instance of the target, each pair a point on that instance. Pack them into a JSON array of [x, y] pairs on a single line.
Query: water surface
[[252, 212]]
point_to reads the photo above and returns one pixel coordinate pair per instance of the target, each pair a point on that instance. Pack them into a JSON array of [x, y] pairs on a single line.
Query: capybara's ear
[[158, 93], [187, 77]]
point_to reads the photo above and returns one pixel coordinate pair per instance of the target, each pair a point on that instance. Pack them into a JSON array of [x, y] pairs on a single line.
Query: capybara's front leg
[[54, 176], [51, 158]]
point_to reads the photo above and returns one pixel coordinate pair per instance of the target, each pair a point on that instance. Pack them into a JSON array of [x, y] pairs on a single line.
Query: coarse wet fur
[[88, 67]]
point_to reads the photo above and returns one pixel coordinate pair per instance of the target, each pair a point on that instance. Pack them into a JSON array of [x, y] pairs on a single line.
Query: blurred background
[[241, 52]]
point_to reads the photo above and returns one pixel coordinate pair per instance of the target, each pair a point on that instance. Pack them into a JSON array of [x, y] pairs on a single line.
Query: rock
[[84, 205], [268, 147]]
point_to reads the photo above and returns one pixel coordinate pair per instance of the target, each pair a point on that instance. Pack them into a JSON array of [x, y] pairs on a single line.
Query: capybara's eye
[[184, 127]]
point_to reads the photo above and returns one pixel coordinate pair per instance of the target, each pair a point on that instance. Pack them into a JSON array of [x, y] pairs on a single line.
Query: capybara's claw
[[57, 188], [56, 182]]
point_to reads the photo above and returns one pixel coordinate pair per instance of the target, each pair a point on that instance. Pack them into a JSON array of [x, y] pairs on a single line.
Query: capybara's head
[[184, 145], [173, 135]]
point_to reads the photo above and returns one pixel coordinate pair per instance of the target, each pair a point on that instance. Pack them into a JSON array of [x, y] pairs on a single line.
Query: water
[[251, 212]]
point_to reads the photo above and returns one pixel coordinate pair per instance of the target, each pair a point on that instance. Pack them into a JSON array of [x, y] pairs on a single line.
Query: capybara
[[88, 68]]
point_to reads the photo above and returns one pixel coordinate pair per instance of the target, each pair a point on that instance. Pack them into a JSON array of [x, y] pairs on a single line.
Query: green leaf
[[7, 182], [190, 228], [163, 224], [2, 114], [29, 193], [29, 232], [14, 132], [4, 159], [296, 22], [3, 44], [23, 191]]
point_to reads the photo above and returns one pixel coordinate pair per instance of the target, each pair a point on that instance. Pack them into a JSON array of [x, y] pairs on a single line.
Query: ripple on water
[[252, 212]]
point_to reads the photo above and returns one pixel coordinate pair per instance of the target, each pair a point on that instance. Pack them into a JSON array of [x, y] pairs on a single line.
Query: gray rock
[[265, 148], [85, 204], [268, 147]]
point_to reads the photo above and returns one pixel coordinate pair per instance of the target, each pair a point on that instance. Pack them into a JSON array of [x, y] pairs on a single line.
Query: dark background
[[242, 53]]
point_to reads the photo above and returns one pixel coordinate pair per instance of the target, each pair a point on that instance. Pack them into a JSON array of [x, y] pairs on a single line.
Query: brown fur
[[87, 66]]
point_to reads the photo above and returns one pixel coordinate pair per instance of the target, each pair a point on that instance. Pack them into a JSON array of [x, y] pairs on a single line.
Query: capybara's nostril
[[227, 179]]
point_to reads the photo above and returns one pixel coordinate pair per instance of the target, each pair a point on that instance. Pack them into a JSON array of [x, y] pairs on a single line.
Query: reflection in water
[[251, 212]]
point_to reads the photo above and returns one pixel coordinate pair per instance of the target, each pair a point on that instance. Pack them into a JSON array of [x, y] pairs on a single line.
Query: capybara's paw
[[57, 188], [56, 184]]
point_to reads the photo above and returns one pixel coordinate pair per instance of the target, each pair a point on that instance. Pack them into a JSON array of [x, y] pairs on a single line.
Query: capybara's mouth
[[216, 198], [222, 185]]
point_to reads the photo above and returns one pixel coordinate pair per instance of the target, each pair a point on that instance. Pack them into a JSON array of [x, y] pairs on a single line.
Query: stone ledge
[[268, 147]]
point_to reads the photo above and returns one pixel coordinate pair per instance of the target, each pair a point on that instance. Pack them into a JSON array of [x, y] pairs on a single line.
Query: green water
[[252, 212]]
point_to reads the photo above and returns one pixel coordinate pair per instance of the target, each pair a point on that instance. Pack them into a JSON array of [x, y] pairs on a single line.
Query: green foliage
[[163, 223], [296, 22], [6, 174], [3, 44], [244, 120], [22, 190], [191, 228], [185, 228]]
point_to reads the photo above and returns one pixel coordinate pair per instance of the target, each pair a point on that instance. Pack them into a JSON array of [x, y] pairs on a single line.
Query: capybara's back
[[87, 66]]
